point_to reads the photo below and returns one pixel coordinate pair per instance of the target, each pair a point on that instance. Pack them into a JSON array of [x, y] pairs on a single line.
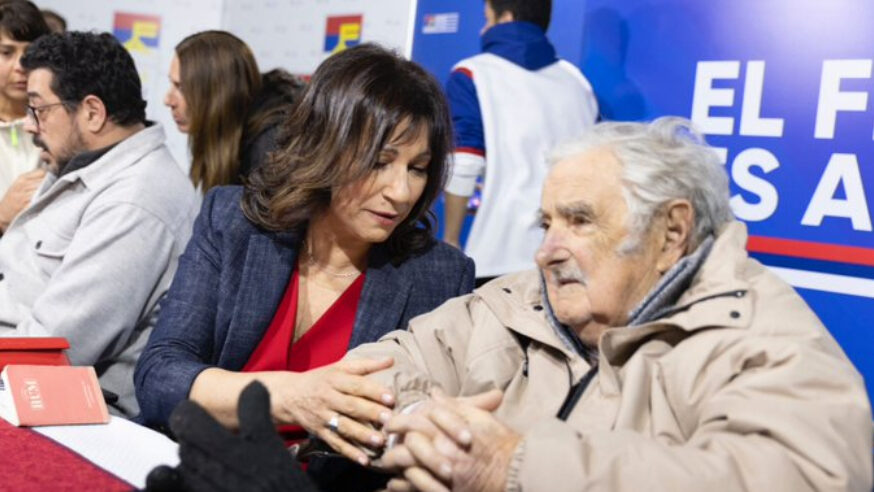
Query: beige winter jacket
[[741, 388]]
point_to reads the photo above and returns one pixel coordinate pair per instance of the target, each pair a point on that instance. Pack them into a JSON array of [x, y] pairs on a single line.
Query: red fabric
[[465, 71], [33, 462], [470, 150], [34, 343], [37, 351], [324, 343]]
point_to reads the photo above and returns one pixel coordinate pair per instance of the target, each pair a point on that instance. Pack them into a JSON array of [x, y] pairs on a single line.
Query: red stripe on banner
[[470, 150], [466, 72], [811, 250]]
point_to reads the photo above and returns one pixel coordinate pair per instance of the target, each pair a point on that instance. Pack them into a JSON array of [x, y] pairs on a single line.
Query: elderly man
[[95, 250], [648, 351]]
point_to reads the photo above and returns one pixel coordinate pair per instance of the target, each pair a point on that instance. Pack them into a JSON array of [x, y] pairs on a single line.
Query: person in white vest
[[510, 104], [94, 252]]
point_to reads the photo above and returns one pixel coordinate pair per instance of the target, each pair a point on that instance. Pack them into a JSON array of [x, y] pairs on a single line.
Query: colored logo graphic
[[138, 33], [342, 32]]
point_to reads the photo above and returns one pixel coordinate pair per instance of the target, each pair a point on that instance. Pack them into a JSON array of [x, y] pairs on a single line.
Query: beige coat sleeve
[[764, 414], [427, 354], [442, 348]]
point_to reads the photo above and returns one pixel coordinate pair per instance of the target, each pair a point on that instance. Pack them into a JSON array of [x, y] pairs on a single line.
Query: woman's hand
[[337, 394]]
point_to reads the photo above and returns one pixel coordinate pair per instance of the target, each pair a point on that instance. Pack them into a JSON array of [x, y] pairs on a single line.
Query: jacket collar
[[84, 159], [663, 297], [124, 154], [267, 268], [717, 297], [383, 298], [522, 43]]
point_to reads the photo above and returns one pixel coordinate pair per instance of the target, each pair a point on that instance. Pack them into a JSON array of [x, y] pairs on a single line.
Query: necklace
[[311, 262]]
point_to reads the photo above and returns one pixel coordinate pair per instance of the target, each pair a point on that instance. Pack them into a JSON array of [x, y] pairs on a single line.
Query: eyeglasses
[[33, 112]]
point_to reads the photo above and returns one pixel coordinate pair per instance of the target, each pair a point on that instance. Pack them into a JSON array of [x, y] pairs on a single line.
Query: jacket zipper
[[575, 393]]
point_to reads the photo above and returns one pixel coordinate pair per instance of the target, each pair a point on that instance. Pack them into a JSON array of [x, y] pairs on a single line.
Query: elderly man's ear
[[679, 220]]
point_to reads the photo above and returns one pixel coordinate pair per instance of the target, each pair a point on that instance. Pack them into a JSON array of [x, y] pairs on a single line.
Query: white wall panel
[[179, 18], [291, 33], [283, 33]]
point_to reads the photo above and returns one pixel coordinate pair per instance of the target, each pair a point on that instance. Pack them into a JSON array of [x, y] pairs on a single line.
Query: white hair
[[661, 161]]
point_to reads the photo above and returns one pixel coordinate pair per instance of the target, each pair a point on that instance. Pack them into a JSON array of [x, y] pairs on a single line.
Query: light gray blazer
[[95, 251]]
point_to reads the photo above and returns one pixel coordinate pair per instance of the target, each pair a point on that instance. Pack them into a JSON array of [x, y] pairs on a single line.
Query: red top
[[325, 342]]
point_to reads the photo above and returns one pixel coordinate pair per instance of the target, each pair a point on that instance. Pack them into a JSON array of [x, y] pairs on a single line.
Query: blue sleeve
[[466, 115], [181, 344], [468, 277]]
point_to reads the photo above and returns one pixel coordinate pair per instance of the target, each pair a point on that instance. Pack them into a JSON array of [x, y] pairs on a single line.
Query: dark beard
[[61, 161]]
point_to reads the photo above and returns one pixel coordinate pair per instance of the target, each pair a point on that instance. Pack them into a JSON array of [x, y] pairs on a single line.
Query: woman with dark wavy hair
[[328, 246]]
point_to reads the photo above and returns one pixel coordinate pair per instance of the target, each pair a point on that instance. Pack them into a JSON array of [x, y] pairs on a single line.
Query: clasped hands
[[450, 444], [443, 444], [440, 444]]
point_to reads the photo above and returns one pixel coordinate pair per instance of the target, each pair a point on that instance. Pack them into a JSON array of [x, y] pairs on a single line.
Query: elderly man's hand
[[452, 444]]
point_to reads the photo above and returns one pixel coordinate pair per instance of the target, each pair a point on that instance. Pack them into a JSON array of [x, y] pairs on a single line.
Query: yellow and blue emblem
[[342, 32], [138, 33]]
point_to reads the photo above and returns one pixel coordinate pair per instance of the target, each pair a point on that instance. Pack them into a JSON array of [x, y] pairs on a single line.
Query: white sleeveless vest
[[525, 114]]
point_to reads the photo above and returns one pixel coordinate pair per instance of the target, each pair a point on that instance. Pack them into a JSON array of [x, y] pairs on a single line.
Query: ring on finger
[[334, 423]]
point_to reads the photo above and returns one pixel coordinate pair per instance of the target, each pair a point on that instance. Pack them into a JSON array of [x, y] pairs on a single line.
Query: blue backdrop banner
[[782, 88]]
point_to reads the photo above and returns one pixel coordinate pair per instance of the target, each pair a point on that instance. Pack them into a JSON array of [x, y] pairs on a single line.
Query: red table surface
[[33, 462]]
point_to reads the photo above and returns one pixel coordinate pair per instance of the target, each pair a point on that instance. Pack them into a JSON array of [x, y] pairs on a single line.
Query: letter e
[[706, 96]]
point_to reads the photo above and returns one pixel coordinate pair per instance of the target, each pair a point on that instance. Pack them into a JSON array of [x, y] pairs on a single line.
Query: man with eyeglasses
[[97, 247]]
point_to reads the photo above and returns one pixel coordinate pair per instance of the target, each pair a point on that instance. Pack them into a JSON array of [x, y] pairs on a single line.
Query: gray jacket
[[93, 254]]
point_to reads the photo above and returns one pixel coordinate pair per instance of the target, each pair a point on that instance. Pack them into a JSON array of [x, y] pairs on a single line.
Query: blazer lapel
[[383, 299], [270, 259]]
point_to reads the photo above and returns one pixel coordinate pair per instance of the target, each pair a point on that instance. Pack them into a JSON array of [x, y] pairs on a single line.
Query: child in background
[[20, 24]]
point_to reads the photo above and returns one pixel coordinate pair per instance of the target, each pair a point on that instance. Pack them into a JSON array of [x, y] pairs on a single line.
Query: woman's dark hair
[[534, 11], [353, 105], [22, 21], [272, 105]]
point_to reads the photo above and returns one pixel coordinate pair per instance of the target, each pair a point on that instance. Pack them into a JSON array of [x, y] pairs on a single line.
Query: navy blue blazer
[[230, 282]]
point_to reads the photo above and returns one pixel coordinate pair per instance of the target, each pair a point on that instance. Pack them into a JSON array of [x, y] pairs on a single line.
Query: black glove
[[214, 459]]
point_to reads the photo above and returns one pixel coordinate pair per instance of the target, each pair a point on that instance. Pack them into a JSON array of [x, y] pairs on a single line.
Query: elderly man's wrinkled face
[[590, 284]]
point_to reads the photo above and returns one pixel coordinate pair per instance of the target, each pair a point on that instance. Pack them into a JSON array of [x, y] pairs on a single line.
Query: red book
[[51, 395], [40, 351]]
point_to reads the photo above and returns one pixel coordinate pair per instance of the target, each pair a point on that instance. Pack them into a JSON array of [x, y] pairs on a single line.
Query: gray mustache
[[568, 273]]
